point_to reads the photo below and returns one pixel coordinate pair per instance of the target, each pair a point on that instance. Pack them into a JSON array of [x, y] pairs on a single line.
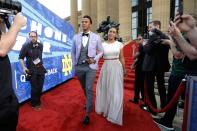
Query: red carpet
[[63, 110]]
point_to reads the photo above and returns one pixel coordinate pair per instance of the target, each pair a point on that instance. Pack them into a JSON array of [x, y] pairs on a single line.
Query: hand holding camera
[[25, 70], [157, 36], [19, 20], [9, 7], [174, 30], [27, 74], [166, 42]]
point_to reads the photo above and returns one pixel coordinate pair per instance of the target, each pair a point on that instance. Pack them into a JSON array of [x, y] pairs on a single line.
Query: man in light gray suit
[[86, 52]]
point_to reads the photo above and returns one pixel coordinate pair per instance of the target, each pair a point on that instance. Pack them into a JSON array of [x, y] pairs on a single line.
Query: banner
[[55, 35], [190, 110]]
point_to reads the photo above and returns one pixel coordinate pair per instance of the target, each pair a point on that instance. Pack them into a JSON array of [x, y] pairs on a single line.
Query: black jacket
[[156, 54]]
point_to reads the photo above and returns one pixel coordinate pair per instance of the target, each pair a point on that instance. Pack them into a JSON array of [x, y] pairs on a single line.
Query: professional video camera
[[7, 8]]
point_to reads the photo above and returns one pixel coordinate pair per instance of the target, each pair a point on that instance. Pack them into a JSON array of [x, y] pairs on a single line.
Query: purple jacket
[[95, 48]]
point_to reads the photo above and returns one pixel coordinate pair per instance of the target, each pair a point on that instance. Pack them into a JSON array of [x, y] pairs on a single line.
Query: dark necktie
[[85, 34]]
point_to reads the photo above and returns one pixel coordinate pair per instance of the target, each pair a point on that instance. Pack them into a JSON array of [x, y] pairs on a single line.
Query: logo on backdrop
[[67, 65]]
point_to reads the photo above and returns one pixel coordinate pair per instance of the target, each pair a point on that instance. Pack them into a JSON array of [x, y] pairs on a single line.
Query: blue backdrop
[[55, 35]]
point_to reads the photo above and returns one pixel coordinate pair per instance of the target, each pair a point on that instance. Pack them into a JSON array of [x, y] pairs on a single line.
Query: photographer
[[8, 100], [156, 63], [34, 69], [139, 74]]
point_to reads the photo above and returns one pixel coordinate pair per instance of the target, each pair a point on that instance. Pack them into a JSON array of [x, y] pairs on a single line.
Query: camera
[[9, 7], [28, 75], [156, 36]]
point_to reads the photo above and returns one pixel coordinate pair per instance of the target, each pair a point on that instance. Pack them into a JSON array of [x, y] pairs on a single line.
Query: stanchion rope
[[170, 104]]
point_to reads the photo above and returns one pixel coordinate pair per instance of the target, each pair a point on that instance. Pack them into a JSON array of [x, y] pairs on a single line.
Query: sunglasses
[[32, 36]]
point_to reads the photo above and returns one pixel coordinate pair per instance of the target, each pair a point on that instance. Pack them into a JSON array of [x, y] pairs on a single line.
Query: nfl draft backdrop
[[56, 36]]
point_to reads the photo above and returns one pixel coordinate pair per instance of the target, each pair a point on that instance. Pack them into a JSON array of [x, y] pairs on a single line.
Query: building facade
[[133, 15]]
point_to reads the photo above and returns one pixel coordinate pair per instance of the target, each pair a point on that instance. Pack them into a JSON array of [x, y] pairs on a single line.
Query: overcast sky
[[59, 7]]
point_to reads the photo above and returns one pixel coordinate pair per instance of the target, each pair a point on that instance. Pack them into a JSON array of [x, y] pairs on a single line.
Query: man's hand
[[185, 22], [125, 72], [167, 42], [174, 30], [91, 61], [25, 70], [20, 20]]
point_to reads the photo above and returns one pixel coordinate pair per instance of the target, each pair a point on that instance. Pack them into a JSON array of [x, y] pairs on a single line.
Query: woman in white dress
[[109, 90]]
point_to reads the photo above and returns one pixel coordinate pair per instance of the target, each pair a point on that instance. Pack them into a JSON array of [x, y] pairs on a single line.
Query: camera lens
[[13, 6]]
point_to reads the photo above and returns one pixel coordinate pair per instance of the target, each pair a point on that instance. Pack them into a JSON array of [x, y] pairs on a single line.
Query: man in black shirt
[[139, 74], [33, 68], [156, 63], [8, 100]]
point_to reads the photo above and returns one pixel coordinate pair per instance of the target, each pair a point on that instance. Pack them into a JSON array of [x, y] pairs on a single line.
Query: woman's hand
[[125, 72]]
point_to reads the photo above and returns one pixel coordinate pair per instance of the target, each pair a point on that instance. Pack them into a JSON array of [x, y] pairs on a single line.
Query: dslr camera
[[7, 8], [28, 75], [156, 36]]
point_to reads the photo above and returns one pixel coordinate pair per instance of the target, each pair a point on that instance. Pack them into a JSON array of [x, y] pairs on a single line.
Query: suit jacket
[[95, 48], [156, 55]]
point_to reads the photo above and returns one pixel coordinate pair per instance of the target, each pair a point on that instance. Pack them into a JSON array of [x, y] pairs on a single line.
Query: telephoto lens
[[10, 7]]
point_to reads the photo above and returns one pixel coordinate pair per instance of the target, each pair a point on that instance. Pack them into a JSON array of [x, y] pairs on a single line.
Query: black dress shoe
[[134, 101], [86, 120]]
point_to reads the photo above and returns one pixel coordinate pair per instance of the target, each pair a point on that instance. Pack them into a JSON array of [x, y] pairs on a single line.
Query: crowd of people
[[151, 62]]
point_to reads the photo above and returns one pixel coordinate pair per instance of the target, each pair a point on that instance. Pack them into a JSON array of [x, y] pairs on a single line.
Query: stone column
[[93, 14], [74, 15], [161, 11], [190, 6], [125, 19], [85, 7], [101, 11], [113, 9]]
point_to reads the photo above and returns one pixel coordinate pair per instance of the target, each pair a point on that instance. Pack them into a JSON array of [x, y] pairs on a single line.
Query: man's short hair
[[33, 32], [88, 17], [156, 23]]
